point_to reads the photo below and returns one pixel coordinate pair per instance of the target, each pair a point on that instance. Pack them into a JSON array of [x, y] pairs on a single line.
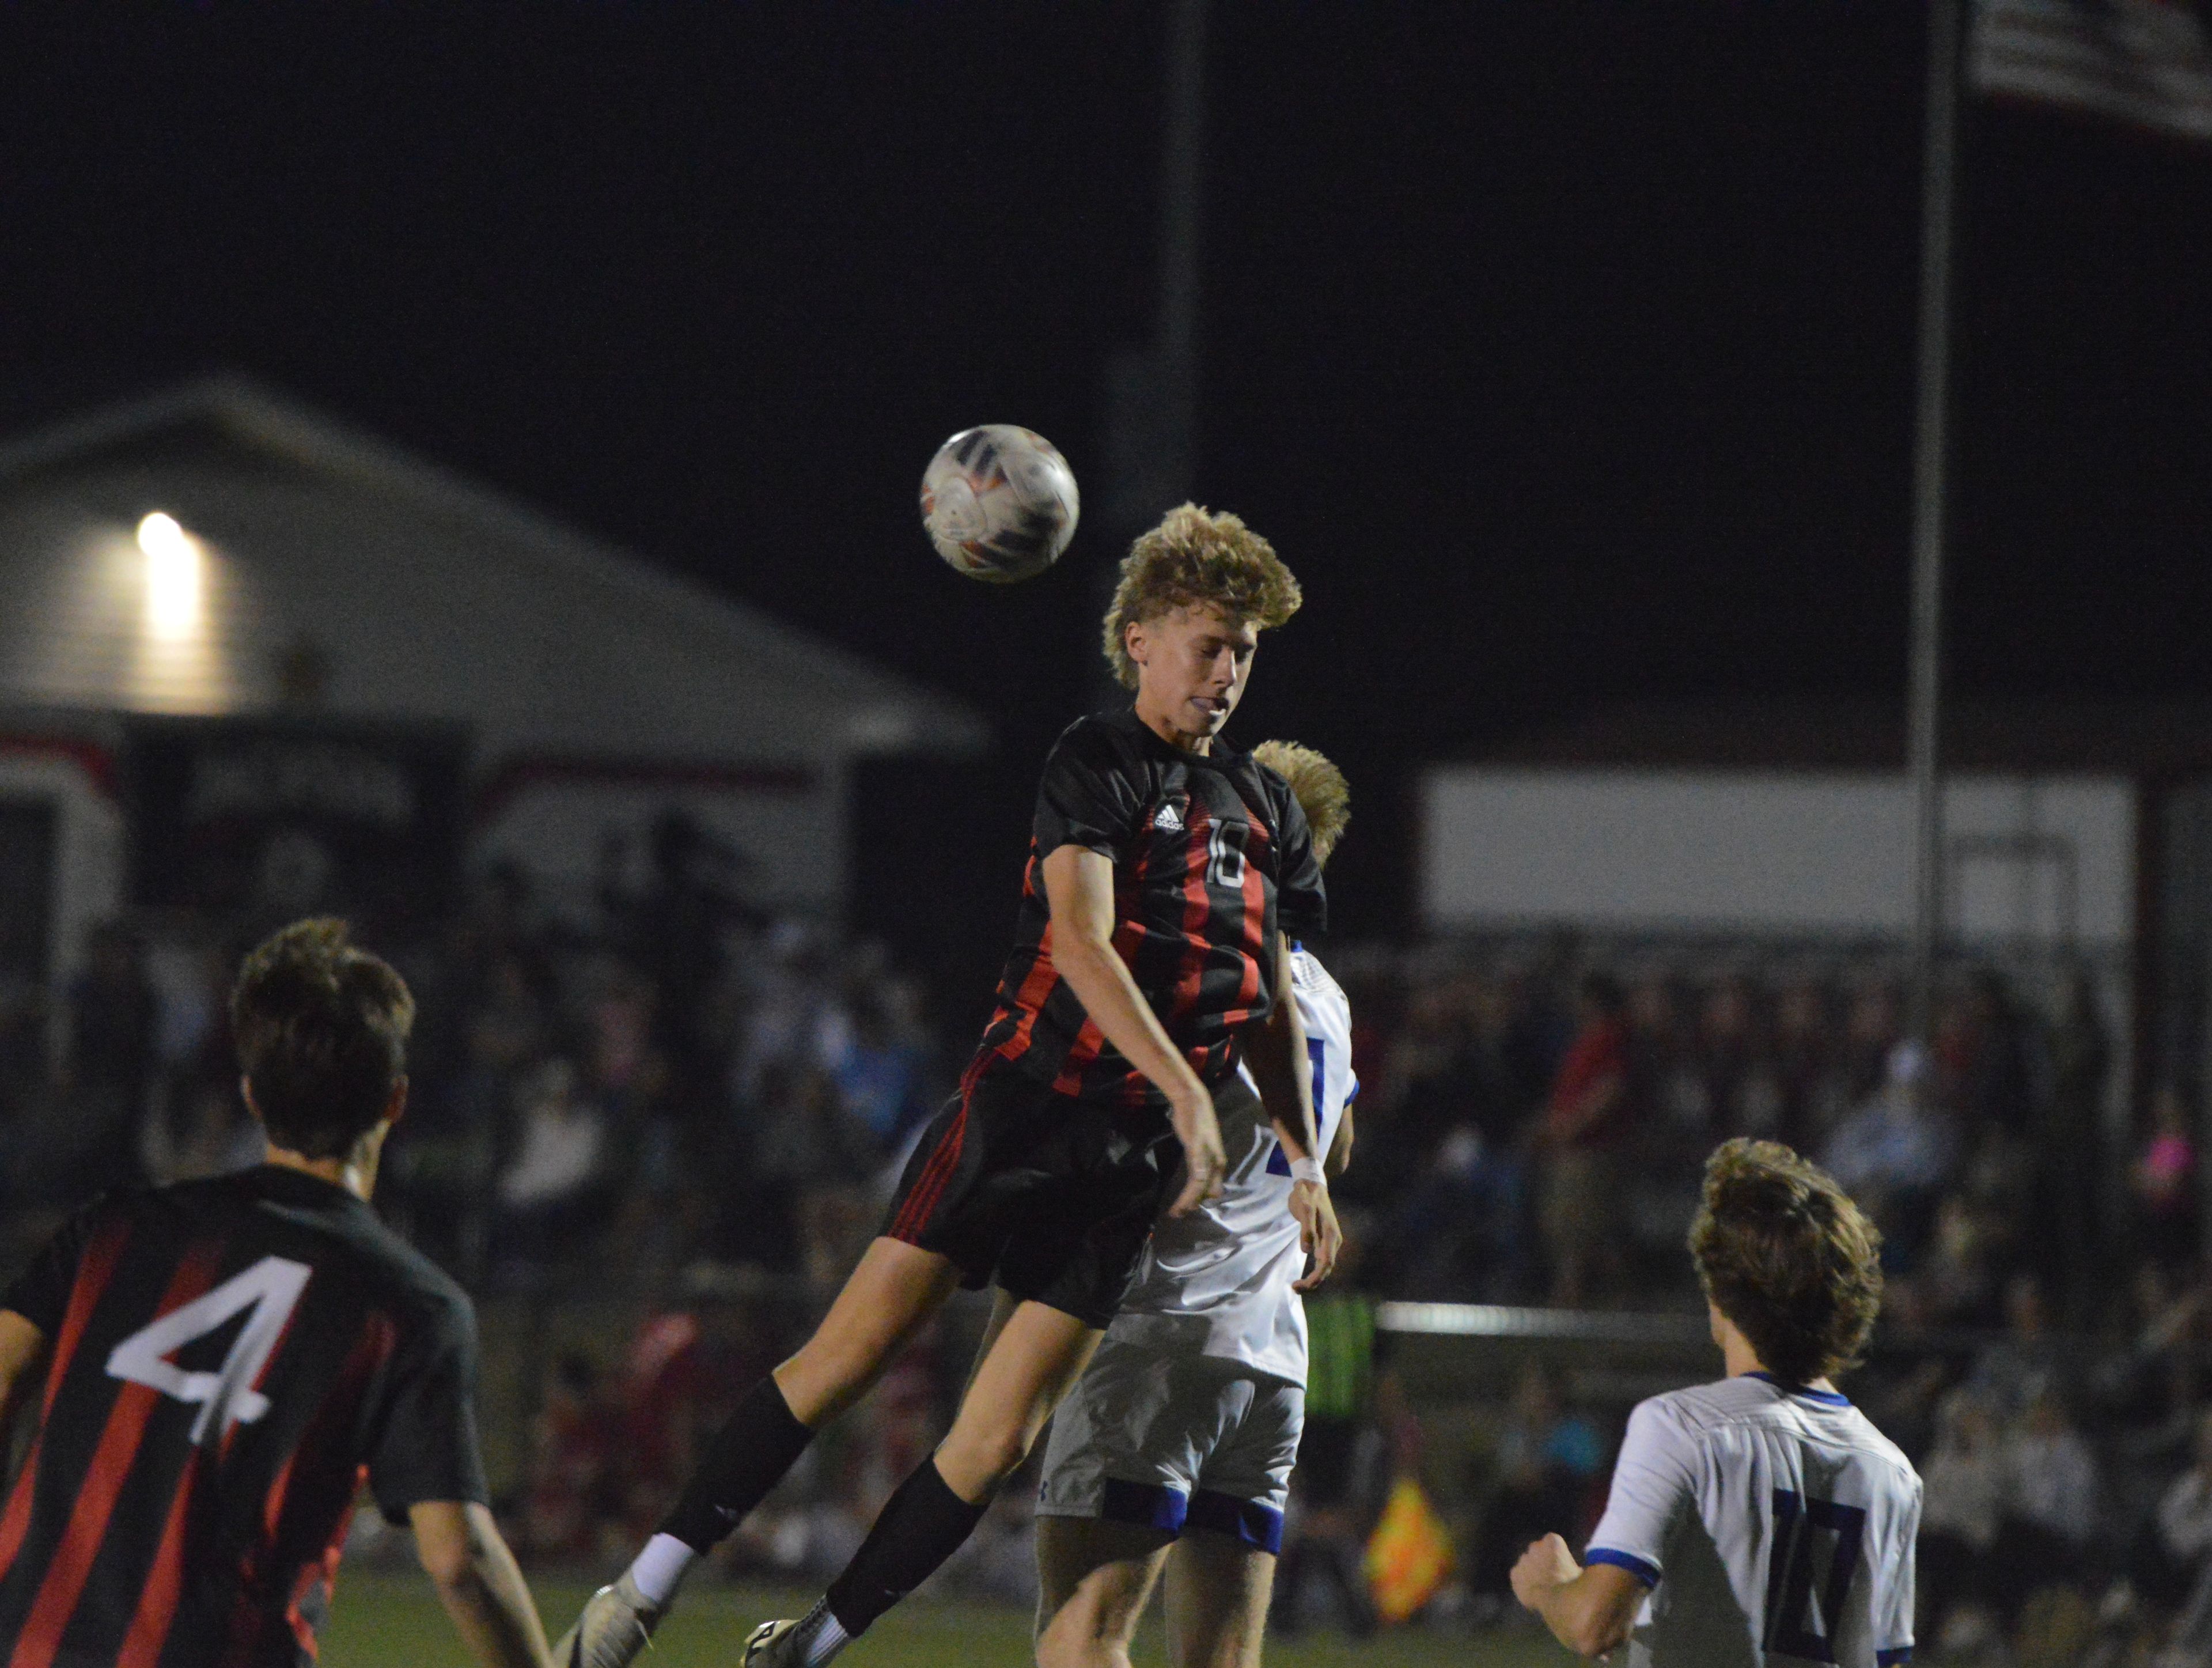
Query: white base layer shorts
[[1176, 1441]]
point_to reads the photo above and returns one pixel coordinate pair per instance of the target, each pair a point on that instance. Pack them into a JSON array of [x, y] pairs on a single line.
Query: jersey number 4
[[1807, 1533], [271, 1289]]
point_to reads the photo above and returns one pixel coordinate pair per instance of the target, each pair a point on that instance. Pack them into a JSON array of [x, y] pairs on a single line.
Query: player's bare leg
[[1038, 1354], [889, 1296], [1218, 1591], [893, 1292], [1094, 1580]]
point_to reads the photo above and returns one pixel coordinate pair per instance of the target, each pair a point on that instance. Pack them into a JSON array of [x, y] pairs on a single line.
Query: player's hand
[[1546, 1564], [1318, 1232], [1204, 1159]]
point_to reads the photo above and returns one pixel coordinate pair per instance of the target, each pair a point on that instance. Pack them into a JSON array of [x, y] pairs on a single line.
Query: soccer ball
[[998, 503]]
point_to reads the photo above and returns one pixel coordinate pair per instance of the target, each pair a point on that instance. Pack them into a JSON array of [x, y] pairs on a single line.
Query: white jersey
[[1772, 1526], [1218, 1282]]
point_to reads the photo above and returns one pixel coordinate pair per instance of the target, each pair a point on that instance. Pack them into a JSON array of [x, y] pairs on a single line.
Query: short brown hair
[[1785, 1254], [1195, 557], [1321, 791], [321, 1028]]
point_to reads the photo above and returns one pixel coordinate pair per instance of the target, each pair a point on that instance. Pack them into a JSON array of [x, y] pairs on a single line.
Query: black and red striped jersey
[[230, 1361], [1212, 859]]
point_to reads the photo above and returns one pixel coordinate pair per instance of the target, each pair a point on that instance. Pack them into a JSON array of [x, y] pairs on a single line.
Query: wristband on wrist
[[1307, 1170]]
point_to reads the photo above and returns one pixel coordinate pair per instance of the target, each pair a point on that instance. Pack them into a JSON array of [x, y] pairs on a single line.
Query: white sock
[[658, 1570], [823, 1636]]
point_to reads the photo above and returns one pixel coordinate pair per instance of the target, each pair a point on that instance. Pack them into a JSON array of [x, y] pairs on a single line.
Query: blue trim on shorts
[[1893, 1657], [1253, 1522], [1647, 1573], [1148, 1505]]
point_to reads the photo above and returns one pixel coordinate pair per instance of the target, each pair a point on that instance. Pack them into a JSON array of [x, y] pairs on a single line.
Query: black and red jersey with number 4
[[1212, 859], [230, 1361]]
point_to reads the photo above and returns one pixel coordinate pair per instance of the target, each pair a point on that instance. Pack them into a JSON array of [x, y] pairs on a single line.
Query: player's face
[[1192, 666]]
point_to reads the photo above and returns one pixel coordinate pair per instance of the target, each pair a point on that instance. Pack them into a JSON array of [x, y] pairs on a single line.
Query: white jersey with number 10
[[1773, 1526], [1218, 1281]]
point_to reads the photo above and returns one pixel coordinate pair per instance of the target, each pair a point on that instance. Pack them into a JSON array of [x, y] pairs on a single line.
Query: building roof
[[335, 570]]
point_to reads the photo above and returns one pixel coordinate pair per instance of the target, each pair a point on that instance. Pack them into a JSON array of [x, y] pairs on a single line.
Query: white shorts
[[1176, 1441]]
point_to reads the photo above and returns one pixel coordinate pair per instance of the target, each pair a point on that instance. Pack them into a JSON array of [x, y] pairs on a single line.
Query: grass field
[[391, 1620]]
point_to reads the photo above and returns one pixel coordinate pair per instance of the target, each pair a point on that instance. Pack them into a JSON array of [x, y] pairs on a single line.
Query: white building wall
[[2038, 859]]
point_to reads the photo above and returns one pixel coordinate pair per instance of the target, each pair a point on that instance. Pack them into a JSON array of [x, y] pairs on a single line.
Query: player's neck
[[355, 1172], [1739, 1358], [1167, 732]]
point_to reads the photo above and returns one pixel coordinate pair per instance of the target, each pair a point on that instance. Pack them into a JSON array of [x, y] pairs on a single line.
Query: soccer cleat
[[775, 1645], [615, 1625]]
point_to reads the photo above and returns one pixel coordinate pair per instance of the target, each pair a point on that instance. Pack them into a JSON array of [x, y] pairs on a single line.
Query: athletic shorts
[[1174, 1441], [1047, 1196]]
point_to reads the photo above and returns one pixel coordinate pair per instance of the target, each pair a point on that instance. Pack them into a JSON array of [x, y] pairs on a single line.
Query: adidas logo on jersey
[[1170, 820]]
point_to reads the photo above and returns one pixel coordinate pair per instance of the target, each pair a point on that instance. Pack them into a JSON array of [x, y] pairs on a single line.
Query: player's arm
[[1589, 1609], [479, 1583], [1275, 1048], [1339, 1146], [22, 1352], [1079, 889]]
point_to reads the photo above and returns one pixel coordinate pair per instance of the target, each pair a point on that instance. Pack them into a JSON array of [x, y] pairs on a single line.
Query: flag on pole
[[1408, 1556], [2147, 63]]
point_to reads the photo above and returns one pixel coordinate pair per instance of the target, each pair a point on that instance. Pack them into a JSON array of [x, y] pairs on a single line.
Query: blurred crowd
[[1535, 1122], [664, 1067], [665, 1094]]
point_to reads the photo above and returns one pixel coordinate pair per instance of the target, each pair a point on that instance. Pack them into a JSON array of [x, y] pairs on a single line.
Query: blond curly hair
[[1321, 792], [1197, 557]]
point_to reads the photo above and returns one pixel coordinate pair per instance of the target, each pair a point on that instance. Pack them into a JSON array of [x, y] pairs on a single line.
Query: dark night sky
[[1564, 350]]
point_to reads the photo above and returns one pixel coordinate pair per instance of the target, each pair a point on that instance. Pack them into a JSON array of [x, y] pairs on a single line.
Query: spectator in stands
[[2027, 1364], [809, 1164], [2164, 1183], [1982, 1047], [2179, 1543], [564, 1499], [1814, 1096], [1546, 1461], [2068, 1147], [1742, 1084], [2051, 1510], [1963, 1482], [1664, 1073], [1957, 1278], [878, 1072], [114, 1016], [1894, 1154], [1873, 1028], [557, 1182], [1584, 1128]]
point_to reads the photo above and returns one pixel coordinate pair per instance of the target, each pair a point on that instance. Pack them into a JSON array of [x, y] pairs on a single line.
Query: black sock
[[746, 1459], [921, 1524]]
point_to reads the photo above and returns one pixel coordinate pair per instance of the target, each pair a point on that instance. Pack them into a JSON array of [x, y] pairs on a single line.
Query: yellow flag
[[1409, 1554]]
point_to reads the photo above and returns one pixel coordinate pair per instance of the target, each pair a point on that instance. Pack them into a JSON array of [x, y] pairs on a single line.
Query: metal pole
[[1939, 179], [1181, 201], [1149, 451]]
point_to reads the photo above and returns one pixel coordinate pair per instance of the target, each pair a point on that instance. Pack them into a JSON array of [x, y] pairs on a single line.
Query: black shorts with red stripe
[[1049, 1196]]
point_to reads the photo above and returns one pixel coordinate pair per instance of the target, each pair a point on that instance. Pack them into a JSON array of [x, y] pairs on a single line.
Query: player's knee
[[826, 1377], [982, 1453]]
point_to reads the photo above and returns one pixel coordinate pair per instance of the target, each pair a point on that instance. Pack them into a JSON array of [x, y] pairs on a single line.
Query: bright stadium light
[[174, 577]]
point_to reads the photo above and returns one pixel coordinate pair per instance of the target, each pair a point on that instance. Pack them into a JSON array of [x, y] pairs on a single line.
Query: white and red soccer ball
[[998, 503]]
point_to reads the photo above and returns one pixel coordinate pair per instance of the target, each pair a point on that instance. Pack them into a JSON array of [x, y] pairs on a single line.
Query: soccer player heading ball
[[1762, 1519], [1166, 876]]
